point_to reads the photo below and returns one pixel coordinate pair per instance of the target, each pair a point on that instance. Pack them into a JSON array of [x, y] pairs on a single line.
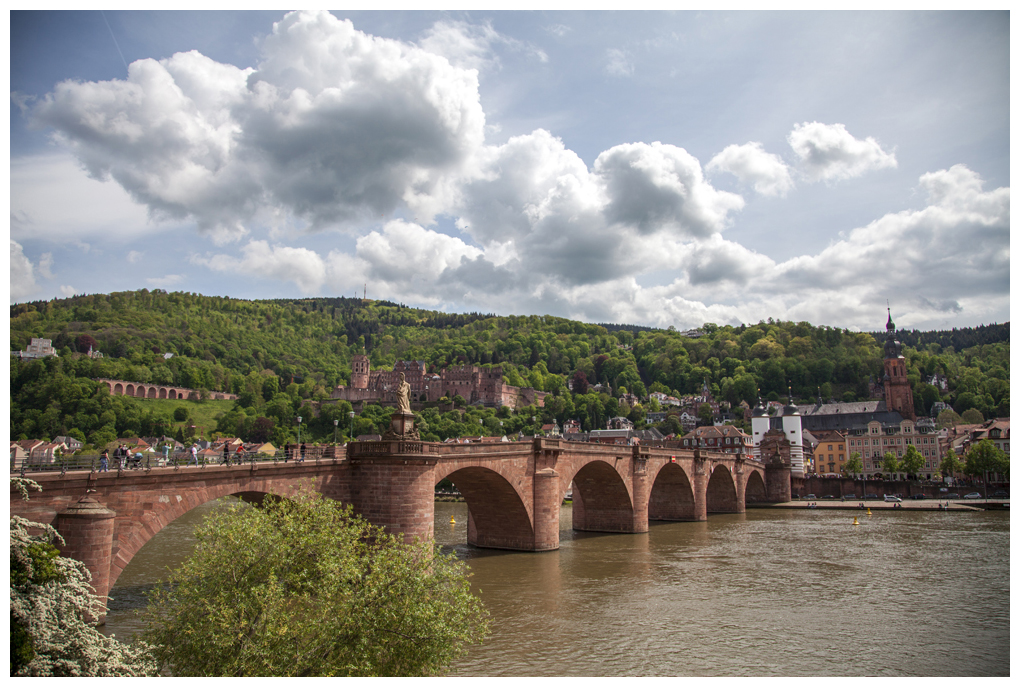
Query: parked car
[[828, 496], [892, 498], [919, 497], [1000, 494], [973, 495], [952, 495], [871, 497], [810, 496]]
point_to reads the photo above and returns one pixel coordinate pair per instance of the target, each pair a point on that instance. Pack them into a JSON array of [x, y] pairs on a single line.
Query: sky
[[651, 168]]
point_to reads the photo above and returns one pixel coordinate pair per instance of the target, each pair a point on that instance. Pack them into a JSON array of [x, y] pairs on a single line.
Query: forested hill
[[234, 345]]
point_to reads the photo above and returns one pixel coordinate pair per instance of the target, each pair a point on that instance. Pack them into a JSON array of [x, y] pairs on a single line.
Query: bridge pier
[[641, 489], [740, 480], [395, 492], [701, 478], [87, 528], [547, 510]]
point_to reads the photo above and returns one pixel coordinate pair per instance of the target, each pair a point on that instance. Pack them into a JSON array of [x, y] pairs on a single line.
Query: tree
[[972, 416], [890, 465], [950, 464], [580, 382], [912, 461], [705, 414], [52, 606], [181, 413], [985, 457], [948, 418], [853, 465], [303, 587]]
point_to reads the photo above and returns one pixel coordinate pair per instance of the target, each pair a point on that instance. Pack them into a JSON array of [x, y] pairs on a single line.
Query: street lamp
[[299, 429], [335, 423]]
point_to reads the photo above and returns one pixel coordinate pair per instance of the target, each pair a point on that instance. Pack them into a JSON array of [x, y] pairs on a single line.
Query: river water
[[766, 593]]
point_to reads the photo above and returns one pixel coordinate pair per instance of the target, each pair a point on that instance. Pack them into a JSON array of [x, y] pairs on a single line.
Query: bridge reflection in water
[[513, 493]]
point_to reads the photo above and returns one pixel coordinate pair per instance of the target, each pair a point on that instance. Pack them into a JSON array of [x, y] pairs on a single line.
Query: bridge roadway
[[513, 492]]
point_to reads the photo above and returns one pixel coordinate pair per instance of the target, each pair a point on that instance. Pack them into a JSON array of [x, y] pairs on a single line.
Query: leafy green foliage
[[301, 348], [853, 465], [912, 461], [986, 457], [890, 464], [302, 587]]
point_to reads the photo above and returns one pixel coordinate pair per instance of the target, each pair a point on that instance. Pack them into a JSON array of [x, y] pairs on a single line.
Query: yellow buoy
[[855, 521], [869, 511], [452, 521]]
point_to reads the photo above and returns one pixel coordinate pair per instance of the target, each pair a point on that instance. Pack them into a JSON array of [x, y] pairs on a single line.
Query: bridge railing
[[179, 460]]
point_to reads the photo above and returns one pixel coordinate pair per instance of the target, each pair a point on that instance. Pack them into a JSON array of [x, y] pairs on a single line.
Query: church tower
[[898, 395]]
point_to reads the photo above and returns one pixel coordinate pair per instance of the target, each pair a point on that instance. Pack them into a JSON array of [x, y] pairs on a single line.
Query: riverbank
[[926, 505]]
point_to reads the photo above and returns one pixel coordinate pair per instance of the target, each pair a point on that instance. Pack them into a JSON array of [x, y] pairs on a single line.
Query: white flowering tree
[[52, 604]]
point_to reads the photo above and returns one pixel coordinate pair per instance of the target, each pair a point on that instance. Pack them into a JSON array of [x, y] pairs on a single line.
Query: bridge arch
[[128, 543], [498, 516], [672, 495], [151, 393], [721, 495], [755, 491], [601, 500]]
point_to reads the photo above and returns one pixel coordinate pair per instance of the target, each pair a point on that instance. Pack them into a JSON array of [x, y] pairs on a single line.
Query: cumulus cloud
[[134, 256], [767, 172], [67, 291], [22, 273], [828, 152], [259, 260], [333, 125]]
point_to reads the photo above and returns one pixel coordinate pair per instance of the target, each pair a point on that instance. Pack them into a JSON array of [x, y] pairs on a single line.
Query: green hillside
[[281, 356]]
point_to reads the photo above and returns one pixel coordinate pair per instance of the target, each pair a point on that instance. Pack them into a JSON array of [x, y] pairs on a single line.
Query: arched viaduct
[[119, 387], [513, 493]]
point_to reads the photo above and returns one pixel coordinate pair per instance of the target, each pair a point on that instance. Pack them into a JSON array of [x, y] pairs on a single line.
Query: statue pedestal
[[402, 425]]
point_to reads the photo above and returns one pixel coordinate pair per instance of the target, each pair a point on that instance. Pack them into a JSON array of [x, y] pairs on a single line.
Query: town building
[[39, 348], [786, 420], [829, 452], [720, 439]]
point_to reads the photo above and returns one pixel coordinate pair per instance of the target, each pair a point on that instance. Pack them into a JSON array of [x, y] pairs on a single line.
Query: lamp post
[[299, 429], [335, 423]]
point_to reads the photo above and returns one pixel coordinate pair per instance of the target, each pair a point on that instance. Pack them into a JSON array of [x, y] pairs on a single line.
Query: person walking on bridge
[[104, 461], [194, 454]]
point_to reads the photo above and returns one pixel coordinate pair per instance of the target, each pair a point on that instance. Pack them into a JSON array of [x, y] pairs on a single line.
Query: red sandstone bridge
[[513, 493]]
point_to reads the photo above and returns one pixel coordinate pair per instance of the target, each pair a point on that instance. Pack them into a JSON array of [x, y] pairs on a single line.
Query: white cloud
[[333, 125], [22, 273], [767, 172], [259, 260], [829, 152], [67, 291], [618, 62], [165, 281], [134, 256], [46, 265], [52, 198]]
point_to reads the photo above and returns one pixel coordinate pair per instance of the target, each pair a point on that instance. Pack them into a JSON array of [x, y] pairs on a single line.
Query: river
[[766, 593]]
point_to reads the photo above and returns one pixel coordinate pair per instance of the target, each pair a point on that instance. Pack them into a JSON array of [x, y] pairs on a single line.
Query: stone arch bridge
[[513, 493], [119, 387]]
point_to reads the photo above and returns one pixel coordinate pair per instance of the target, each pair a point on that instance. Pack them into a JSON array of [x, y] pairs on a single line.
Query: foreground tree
[[912, 461], [303, 587], [950, 464], [890, 465], [986, 458], [853, 465], [52, 606]]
